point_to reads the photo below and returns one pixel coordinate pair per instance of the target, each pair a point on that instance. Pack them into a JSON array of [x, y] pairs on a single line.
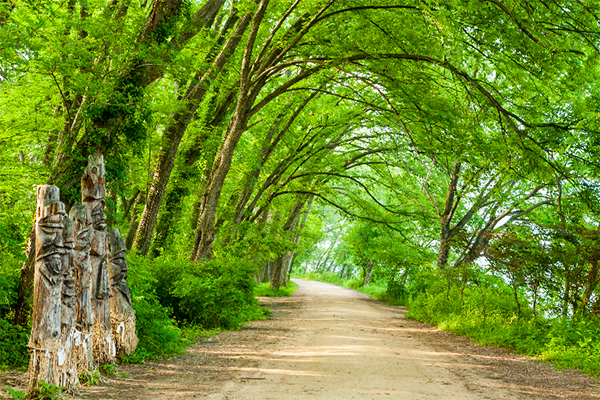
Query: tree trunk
[[276, 275], [185, 173], [368, 273], [593, 279], [444, 249], [285, 266], [205, 232], [263, 275], [133, 222]]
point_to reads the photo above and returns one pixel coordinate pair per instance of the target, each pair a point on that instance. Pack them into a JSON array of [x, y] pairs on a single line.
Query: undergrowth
[[178, 302]]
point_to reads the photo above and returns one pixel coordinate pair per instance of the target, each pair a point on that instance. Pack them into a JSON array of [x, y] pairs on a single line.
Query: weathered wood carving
[[68, 370], [122, 313], [82, 313], [45, 344], [93, 191], [82, 221]]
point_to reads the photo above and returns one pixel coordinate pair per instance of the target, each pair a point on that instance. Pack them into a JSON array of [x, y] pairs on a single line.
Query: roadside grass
[[563, 342], [264, 290]]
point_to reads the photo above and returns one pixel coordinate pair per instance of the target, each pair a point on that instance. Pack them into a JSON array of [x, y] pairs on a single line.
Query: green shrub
[[218, 294], [13, 339], [13, 350], [157, 331], [567, 343]]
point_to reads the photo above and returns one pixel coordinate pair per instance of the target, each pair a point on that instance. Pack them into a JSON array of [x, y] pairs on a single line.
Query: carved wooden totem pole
[[93, 192], [69, 376], [122, 313], [46, 348], [82, 313], [82, 223]]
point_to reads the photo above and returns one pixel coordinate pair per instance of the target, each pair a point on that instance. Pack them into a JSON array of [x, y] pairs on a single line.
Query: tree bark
[[133, 222], [368, 273], [276, 274]]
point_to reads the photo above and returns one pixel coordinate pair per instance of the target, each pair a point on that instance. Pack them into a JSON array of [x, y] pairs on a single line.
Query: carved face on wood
[[50, 234], [93, 190], [118, 264], [67, 264], [82, 226], [102, 285], [94, 179], [98, 215]]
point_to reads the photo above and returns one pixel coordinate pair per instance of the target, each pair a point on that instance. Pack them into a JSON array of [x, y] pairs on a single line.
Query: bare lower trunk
[[592, 282], [263, 274], [166, 161], [367, 274], [286, 261], [276, 275], [133, 222], [444, 249]]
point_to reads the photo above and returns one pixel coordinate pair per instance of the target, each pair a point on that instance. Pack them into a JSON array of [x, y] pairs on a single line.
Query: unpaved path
[[343, 346], [326, 342]]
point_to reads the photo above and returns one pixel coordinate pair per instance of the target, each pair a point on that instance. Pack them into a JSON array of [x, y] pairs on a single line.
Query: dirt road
[[343, 346], [326, 342]]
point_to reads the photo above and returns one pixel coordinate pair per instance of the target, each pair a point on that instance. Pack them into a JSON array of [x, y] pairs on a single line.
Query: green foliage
[[567, 343], [91, 378], [13, 352], [264, 290], [218, 294], [15, 394], [157, 331], [170, 294], [47, 391], [108, 369]]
